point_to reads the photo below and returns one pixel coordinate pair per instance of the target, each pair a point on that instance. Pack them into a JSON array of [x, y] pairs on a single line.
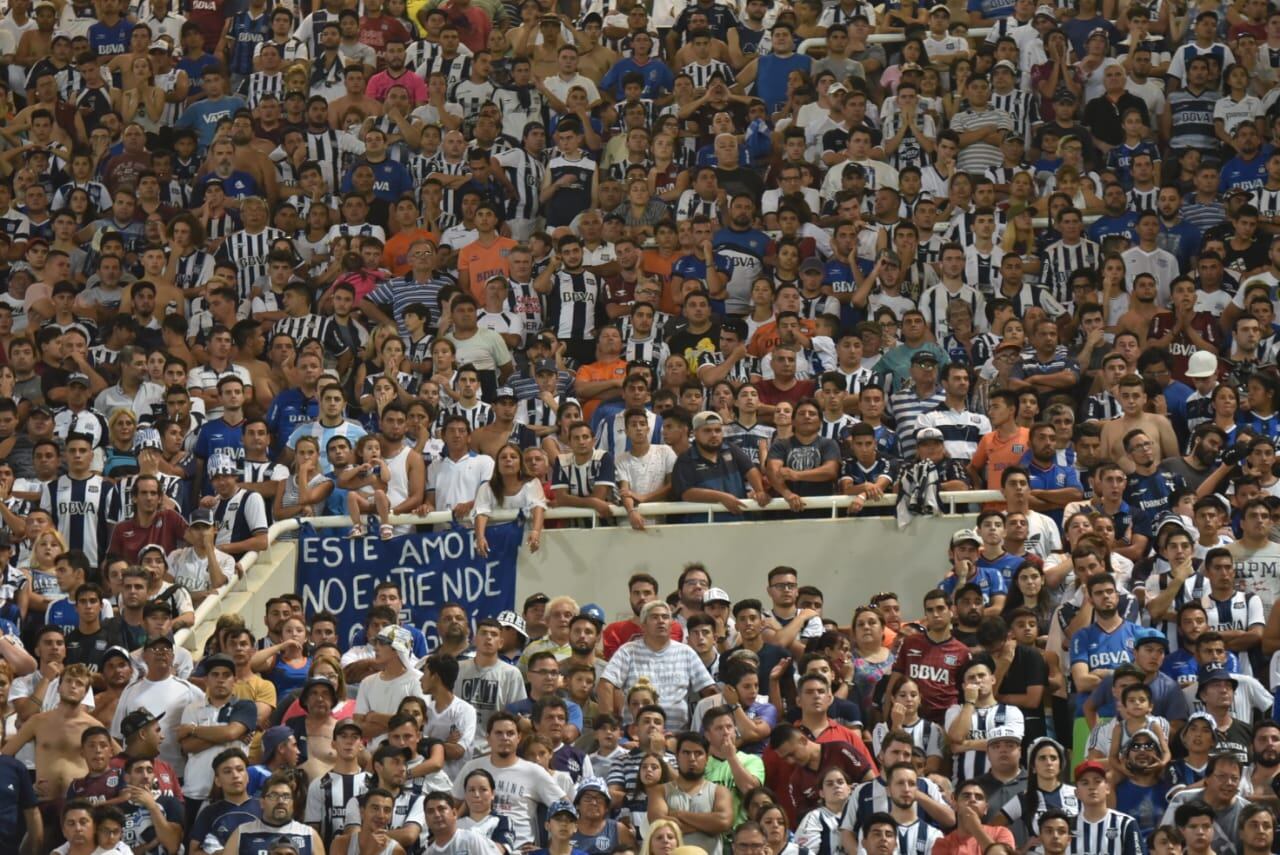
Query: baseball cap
[[1046, 12], [1005, 64], [1006, 731], [147, 438], [347, 724], [831, 90], [159, 640], [706, 417], [533, 599], [545, 366], [924, 357], [116, 651], [592, 784], [135, 721], [42, 409], [222, 464], [150, 547], [1098, 31], [964, 535], [504, 392], [314, 682], [811, 264], [929, 433], [514, 621], [1146, 635], [560, 806], [1146, 733], [1214, 674], [1088, 766], [273, 739], [592, 612], [1064, 98], [219, 660], [158, 46], [941, 7], [716, 595], [202, 516], [1202, 364]]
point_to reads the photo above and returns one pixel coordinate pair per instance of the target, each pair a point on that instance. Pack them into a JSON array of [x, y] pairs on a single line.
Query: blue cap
[[1214, 674], [560, 806], [595, 612], [1150, 636]]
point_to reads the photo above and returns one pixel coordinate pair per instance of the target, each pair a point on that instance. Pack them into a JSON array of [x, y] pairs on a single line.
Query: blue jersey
[[20, 797], [1005, 565], [247, 32], [992, 8], [771, 77], [217, 435], [986, 578], [63, 615], [1125, 225], [391, 179], [110, 41], [1238, 173], [290, 409], [1145, 804], [839, 277], [1102, 650], [1120, 160], [1149, 495], [658, 79], [1269, 426], [237, 185], [203, 116], [1055, 477], [1181, 665], [217, 820]]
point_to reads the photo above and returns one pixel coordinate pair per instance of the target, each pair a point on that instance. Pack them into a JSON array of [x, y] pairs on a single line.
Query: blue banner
[[338, 574]]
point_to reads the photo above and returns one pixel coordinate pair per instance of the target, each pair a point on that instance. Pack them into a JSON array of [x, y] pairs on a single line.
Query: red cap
[[1089, 766]]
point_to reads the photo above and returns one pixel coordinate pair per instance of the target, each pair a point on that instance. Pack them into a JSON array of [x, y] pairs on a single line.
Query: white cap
[[1004, 732], [1202, 364], [716, 595]]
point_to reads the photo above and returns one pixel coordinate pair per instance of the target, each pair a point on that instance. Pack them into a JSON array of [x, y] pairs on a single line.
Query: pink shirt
[[956, 844], [381, 82]]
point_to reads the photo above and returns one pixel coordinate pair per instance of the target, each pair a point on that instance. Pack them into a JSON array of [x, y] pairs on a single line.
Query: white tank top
[[398, 486]]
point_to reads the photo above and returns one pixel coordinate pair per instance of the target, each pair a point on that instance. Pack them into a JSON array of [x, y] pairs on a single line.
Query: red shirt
[[1181, 348], [166, 779], [166, 529], [802, 791], [958, 843], [620, 632], [473, 25], [933, 666], [772, 395], [376, 32]]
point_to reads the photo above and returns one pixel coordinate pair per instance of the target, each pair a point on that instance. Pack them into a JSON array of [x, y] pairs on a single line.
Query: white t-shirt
[[521, 788], [646, 474], [459, 716], [166, 698], [380, 695]]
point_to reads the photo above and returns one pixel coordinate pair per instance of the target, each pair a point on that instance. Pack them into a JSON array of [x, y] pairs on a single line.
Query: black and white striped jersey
[[1267, 201], [452, 200], [239, 517], [99, 195], [259, 84], [535, 412], [333, 151], [1021, 105], [525, 171], [573, 305], [1115, 834], [312, 326], [471, 96], [579, 479], [83, 512], [327, 798], [703, 72], [1143, 200], [1061, 260], [248, 252], [430, 61], [690, 205], [477, 417]]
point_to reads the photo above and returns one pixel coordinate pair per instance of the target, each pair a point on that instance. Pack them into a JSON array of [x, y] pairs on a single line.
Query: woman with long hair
[[954, 101], [819, 829], [557, 443], [8, 715], [143, 102], [912, 51], [42, 581], [510, 488], [777, 834], [1225, 404], [668, 178], [1027, 589], [285, 664], [120, 458], [306, 489], [478, 791], [904, 714], [664, 837], [1046, 790], [392, 360], [872, 660]]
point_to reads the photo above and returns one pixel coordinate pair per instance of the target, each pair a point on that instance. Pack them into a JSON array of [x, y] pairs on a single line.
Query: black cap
[[113, 652], [347, 724], [533, 599], [136, 721], [157, 641], [924, 357], [219, 660]]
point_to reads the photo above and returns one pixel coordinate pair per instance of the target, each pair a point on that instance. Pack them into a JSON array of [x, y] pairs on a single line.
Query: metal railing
[[211, 606]]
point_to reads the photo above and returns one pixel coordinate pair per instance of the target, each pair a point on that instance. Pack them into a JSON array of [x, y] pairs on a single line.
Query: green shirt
[[718, 772]]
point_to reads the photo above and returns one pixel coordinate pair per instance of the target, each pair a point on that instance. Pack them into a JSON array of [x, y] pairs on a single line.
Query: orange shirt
[[594, 372], [482, 263], [996, 454], [656, 264], [395, 255], [767, 336]]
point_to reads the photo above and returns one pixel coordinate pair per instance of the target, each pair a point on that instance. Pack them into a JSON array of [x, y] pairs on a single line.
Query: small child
[[608, 734], [367, 483], [416, 318], [1135, 715]]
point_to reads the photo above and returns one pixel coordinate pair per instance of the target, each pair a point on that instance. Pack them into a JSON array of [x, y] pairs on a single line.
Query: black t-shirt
[[1027, 670], [85, 649], [740, 181], [803, 457], [770, 655], [1250, 258]]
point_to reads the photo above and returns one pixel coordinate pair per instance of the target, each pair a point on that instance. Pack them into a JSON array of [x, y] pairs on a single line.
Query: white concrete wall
[[849, 559]]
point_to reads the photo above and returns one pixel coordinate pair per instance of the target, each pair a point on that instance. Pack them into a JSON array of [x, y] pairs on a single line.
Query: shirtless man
[[503, 429], [376, 809], [1133, 400], [57, 735], [1142, 308]]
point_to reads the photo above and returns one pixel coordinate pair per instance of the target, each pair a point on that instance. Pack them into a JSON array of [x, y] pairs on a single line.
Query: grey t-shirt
[[489, 688]]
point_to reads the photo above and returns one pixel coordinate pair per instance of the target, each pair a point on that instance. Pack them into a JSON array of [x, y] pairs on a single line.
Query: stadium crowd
[[372, 258]]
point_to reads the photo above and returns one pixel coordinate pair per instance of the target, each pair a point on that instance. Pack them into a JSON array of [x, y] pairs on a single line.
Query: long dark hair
[[1016, 599], [1031, 798]]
